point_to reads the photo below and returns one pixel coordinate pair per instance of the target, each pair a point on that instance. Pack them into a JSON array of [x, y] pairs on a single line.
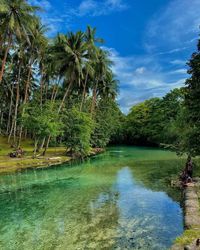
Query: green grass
[[188, 237], [8, 164]]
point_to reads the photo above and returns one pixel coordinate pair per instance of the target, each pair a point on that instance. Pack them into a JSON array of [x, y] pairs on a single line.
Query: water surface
[[118, 200]]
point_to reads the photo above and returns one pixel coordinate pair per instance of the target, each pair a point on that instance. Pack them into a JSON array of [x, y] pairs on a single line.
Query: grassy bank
[[54, 155]]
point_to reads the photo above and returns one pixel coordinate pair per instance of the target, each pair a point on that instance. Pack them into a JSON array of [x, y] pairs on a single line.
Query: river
[[117, 200]]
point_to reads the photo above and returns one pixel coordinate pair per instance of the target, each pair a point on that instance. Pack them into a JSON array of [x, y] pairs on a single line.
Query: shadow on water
[[118, 200]]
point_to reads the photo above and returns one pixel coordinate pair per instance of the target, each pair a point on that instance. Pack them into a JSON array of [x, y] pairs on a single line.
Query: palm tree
[[109, 87], [33, 48], [91, 40], [102, 66], [70, 52], [17, 17]]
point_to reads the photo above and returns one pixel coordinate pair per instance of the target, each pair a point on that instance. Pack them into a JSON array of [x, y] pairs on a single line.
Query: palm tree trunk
[[53, 92], [5, 57], [94, 98], [25, 99], [84, 92], [27, 84], [16, 111], [65, 96], [14, 122], [41, 90], [54, 97], [10, 110]]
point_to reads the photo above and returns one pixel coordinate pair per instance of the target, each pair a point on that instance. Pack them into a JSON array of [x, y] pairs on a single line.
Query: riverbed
[[121, 199]]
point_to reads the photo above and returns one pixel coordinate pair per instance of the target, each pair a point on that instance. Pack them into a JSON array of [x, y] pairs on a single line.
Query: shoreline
[[14, 165]]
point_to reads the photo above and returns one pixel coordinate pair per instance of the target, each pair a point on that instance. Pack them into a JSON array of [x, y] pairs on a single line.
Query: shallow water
[[118, 200]]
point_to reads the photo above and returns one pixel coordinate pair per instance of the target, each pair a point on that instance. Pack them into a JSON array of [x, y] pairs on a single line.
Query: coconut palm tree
[[33, 50], [91, 41], [102, 66], [70, 53], [109, 87], [17, 17]]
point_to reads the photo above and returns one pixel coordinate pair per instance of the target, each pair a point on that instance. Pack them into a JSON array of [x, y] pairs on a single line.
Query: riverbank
[[191, 196], [54, 156]]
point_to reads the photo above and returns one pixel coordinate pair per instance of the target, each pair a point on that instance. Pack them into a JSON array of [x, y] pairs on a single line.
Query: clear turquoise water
[[118, 200]]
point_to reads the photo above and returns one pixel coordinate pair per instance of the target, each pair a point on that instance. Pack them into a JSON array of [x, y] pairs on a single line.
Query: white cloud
[[177, 23], [56, 20], [98, 8], [178, 62], [44, 4], [173, 51], [179, 71], [140, 70], [49, 16], [142, 77]]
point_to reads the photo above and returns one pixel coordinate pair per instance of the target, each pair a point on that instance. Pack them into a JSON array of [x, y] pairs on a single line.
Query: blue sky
[[149, 40]]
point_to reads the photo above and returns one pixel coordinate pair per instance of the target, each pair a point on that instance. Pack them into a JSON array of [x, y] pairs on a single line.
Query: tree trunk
[[94, 98], [41, 90], [5, 57], [54, 98], [47, 145], [35, 148], [16, 110], [25, 99], [27, 84], [41, 145], [10, 110], [53, 92], [14, 122], [65, 96], [84, 92]]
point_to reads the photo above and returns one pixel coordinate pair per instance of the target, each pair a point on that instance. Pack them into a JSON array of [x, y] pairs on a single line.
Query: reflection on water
[[119, 200]]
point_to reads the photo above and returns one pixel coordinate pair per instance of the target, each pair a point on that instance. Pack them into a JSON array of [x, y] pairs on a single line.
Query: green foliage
[[154, 121], [119, 135], [192, 104], [106, 122], [42, 122], [37, 72], [77, 131], [188, 237]]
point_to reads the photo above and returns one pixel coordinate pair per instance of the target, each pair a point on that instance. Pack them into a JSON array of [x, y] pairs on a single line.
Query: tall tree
[[70, 54], [91, 41], [17, 17], [192, 103], [101, 67]]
